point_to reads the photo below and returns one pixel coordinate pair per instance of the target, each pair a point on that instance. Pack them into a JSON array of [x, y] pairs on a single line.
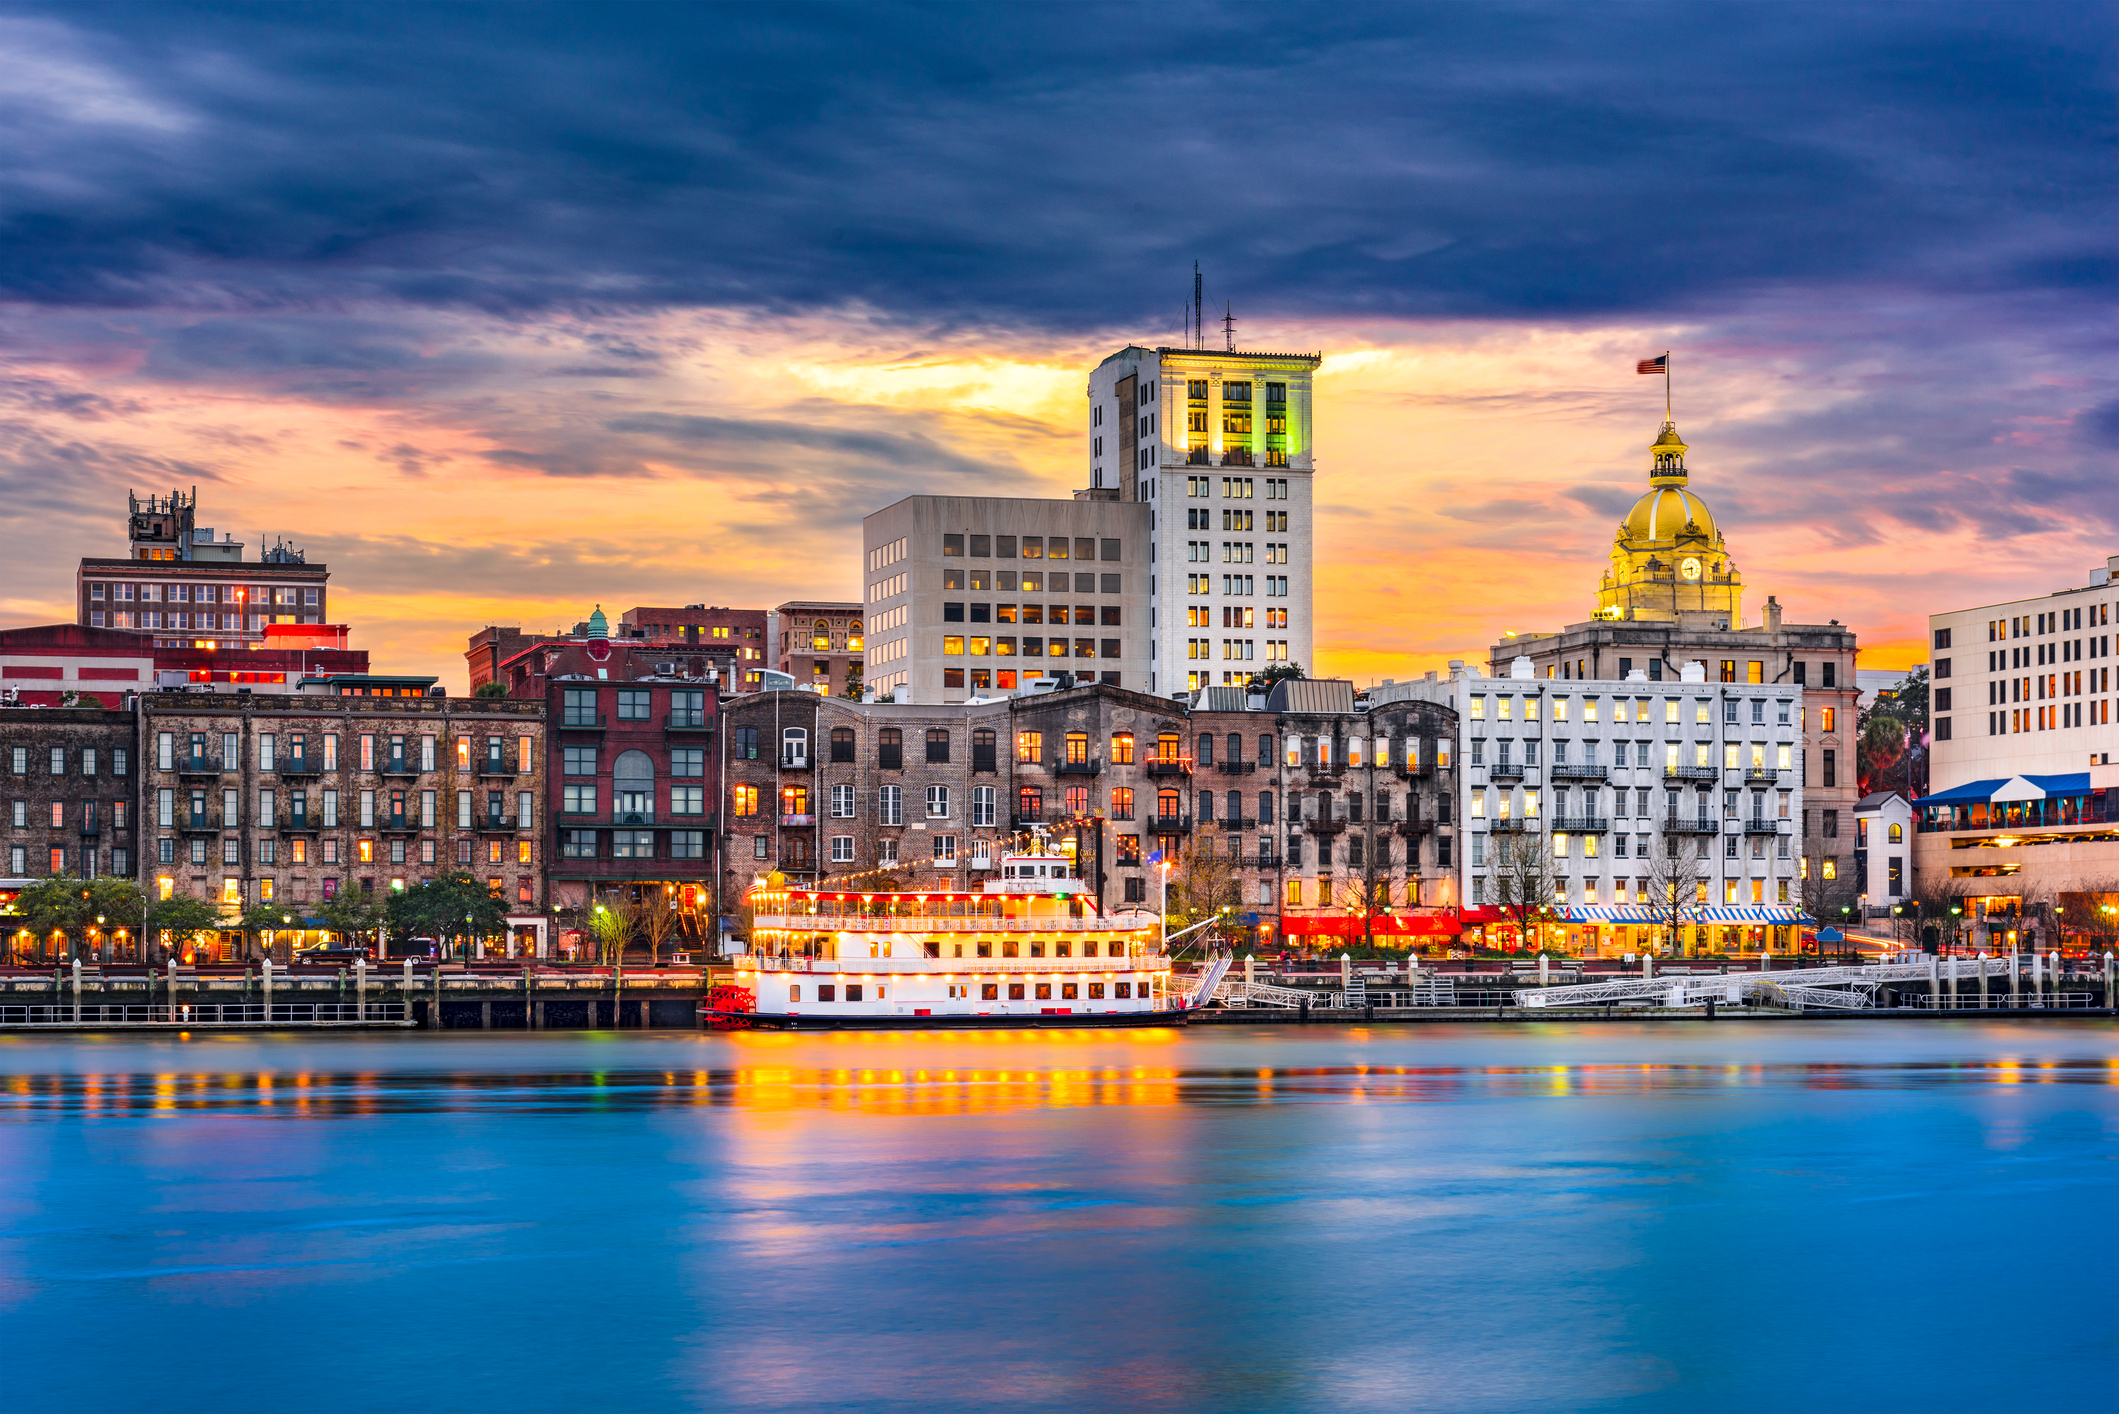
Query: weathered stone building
[[70, 798]]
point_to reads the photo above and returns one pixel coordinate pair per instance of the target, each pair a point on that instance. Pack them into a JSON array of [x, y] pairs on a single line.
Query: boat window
[[1088, 949], [1037, 949], [1063, 949], [1011, 949]]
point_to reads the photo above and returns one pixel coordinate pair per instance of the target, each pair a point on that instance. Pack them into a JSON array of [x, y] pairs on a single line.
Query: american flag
[[1658, 364]]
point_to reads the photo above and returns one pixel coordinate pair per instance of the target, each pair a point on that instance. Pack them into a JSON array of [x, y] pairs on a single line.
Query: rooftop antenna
[[1228, 326], [1198, 340]]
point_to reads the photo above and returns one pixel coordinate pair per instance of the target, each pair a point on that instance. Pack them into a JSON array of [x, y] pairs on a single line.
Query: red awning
[[1388, 925]]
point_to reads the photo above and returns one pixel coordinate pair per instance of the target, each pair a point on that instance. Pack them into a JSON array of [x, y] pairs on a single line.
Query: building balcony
[[300, 825], [398, 824], [1264, 859], [1325, 825], [1691, 773], [794, 761], [496, 766], [1238, 768], [1238, 456], [1761, 825], [198, 822], [1410, 770], [1761, 776], [582, 722], [1413, 829], [198, 765], [1026, 818], [494, 824], [1172, 824], [398, 766], [1506, 771], [687, 722], [90, 829], [1159, 767], [1563, 772], [1230, 824], [1079, 768], [1514, 825], [1691, 825], [1580, 824], [301, 766]]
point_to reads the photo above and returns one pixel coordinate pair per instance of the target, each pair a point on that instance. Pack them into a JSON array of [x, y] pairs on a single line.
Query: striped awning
[[1612, 913], [1754, 913]]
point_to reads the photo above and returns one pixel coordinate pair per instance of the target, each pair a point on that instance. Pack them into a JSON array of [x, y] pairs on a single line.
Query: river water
[[1858, 1216]]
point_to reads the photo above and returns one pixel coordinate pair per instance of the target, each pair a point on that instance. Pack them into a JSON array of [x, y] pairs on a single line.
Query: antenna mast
[[1198, 338], [1228, 327]]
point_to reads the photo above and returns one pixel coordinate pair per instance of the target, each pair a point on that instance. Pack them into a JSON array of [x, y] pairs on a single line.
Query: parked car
[[333, 954]]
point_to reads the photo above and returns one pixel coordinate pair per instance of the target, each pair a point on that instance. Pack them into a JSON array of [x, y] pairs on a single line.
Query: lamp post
[[467, 941]]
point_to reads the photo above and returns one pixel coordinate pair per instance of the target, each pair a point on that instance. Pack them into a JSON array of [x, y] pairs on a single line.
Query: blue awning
[[1967, 794], [1752, 913], [1980, 792]]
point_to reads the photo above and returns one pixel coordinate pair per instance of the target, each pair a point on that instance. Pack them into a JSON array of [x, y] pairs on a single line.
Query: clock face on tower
[[1690, 569]]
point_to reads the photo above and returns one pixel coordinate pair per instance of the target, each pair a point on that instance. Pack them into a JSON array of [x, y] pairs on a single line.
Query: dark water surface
[[1865, 1216]]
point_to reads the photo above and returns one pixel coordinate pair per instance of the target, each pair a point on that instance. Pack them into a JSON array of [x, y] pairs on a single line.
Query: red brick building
[[634, 783]]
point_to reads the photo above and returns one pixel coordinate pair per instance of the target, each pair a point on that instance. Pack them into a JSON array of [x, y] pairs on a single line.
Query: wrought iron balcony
[[1690, 773], [1506, 771], [1412, 769], [1238, 768], [1325, 825], [304, 765], [1159, 767], [495, 824], [1691, 825], [1079, 768], [496, 766], [1413, 829], [1230, 824], [1514, 825], [299, 823], [1761, 775], [1763, 825], [1580, 824], [398, 824], [1580, 772], [399, 766], [198, 765], [1173, 825], [198, 822]]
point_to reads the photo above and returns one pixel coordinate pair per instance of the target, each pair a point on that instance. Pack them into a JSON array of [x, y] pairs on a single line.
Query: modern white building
[[1220, 446], [1606, 773], [2022, 815]]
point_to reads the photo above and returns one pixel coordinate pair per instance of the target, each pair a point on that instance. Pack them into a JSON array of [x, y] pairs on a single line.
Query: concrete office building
[[973, 596], [1220, 446]]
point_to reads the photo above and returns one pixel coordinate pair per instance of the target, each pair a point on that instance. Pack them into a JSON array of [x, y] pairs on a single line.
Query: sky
[[507, 312]]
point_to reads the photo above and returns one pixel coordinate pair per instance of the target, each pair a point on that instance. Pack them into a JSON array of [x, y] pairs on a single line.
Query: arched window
[[1898, 834], [633, 788], [794, 746], [842, 743], [1169, 805], [938, 744], [820, 639]]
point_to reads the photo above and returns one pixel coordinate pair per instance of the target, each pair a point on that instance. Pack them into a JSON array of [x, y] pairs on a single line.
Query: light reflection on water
[[1531, 1217]]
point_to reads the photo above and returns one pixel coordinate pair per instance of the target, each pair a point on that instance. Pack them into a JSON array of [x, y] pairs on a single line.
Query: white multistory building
[[1607, 773], [1220, 445]]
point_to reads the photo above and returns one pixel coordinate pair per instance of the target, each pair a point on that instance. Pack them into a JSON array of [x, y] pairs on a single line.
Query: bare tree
[[1825, 886], [1204, 883], [2088, 912], [1943, 905], [1523, 879], [1675, 875], [656, 919]]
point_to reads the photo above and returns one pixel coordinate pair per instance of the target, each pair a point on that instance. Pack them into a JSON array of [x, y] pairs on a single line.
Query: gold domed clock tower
[[1668, 557]]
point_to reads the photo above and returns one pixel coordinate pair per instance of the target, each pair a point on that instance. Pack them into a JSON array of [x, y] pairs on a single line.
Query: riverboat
[[1032, 949]]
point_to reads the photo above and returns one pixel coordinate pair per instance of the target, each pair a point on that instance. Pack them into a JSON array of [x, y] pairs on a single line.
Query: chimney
[[1773, 614]]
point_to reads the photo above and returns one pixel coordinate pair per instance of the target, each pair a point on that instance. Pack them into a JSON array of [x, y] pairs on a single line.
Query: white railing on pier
[[1816, 988], [207, 1015]]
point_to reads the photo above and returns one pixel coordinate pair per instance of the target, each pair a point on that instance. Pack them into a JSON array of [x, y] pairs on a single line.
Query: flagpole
[[1666, 385]]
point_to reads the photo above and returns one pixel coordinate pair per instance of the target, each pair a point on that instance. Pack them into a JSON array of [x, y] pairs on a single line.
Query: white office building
[[1220, 446]]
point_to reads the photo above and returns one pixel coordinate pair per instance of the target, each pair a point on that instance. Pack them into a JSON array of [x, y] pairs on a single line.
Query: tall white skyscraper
[[1220, 446]]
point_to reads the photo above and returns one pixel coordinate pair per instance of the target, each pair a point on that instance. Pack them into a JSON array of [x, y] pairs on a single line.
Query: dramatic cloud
[[666, 298]]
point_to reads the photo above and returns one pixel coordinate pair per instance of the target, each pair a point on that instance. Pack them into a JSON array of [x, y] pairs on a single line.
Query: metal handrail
[[1580, 772]]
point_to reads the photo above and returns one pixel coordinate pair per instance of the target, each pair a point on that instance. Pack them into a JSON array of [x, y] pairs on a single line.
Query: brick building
[[181, 588], [820, 643], [43, 666], [292, 798], [732, 641], [633, 775], [70, 788]]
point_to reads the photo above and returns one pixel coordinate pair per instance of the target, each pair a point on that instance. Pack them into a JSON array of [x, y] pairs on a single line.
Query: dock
[[402, 996]]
